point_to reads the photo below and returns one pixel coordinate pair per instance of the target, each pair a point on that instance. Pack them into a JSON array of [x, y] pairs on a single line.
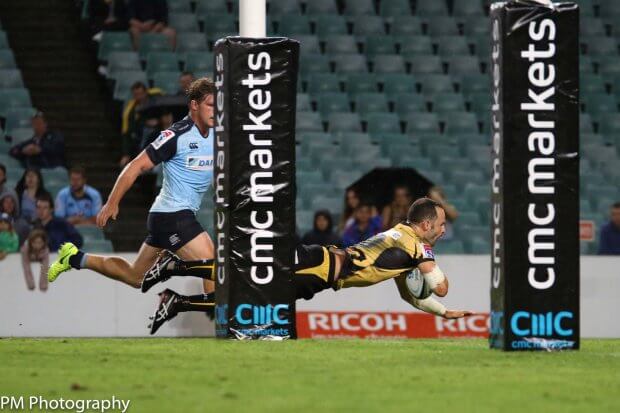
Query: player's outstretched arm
[[125, 180], [429, 304]]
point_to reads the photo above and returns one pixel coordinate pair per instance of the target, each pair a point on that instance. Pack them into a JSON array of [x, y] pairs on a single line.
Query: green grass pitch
[[208, 375]]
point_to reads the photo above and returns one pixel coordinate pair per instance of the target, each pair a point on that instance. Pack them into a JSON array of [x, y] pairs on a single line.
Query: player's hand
[[451, 314], [107, 211]]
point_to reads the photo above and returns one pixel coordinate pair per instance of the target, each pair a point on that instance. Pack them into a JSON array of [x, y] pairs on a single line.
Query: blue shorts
[[172, 230]]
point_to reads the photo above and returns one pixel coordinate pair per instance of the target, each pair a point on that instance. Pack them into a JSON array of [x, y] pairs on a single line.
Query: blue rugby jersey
[[187, 159]]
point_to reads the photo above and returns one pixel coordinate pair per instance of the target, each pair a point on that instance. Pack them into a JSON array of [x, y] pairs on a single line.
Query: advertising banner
[[535, 185], [254, 174]]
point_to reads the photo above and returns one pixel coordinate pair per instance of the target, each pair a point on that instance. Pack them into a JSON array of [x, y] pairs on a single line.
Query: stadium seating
[[388, 79]]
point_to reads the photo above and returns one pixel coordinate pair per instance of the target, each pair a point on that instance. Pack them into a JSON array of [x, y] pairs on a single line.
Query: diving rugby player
[[185, 151], [388, 255]]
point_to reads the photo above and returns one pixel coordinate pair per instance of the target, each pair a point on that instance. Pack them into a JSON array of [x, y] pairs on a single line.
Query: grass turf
[[207, 375]]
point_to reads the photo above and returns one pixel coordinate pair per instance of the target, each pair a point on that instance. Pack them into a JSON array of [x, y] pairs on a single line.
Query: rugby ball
[[417, 285]]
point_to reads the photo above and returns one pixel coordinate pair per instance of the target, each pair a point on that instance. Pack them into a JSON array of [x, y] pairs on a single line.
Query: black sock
[[75, 261], [199, 302], [198, 268]]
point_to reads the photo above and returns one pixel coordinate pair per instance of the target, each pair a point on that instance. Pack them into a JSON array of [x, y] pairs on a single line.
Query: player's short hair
[[138, 85], [615, 205], [79, 170], [200, 89], [187, 73], [423, 209]]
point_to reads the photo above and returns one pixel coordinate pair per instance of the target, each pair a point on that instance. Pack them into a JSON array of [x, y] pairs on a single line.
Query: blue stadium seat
[[405, 26], [466, 8], [422, 122], [380, 45], [321, 7], [314, 63], [18, 118], [383, 123], [180, 6], [448, 46], [11, 78], [331, 102], [124, 81], [389, 63], [198, 62], [303, 102], [442, 26], [293, 24], [461, 65], [329, 24], [368, 26], [432, 83], [309, 44], [341, 44], [208, 7], [361, 82], [398, 83], [167, 81], [350, 63], [359, 7], [122, 62], [191, 42], [323, 82], [309, 122], [406, 103], [184, 22], [278, 7], [113, 42], [153, 42], [431, 8], [13, 98], [366, 103], [415, 45], [4, 41], [161, 62], [344, 122], [425, 64], [448, 102], [394, 8]]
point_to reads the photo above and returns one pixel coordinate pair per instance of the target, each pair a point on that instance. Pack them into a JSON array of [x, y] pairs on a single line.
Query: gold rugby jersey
[[384, 256]]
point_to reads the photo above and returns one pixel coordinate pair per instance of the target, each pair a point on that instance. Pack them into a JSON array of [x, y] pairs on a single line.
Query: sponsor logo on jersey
[[164, 137], [394, 234], [193, 145], [174, 239], [199, 163], [427, 252]]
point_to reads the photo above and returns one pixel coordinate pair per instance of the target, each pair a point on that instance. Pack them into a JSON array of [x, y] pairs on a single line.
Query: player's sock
[[78, 260], [198, 302], [198, 268]]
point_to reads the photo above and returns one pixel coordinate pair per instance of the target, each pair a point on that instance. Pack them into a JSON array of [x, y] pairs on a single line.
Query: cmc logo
[[524, 323], [254, 314]]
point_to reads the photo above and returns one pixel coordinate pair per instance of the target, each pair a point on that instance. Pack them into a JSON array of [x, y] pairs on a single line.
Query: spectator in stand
[[107, 15], [396, 211], [78, 203], [185, 80], [46, 149], [29, 188], [351, 201], [9, 242], [165, 121], [364, 225], [58, 230], [149, 16], [35, 250], [609, 242], [323, 232], [134, 126], [4, 188], [8, 205]]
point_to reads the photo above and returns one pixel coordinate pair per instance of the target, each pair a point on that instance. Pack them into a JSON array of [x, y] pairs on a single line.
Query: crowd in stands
[[31, 223], [360, 218]]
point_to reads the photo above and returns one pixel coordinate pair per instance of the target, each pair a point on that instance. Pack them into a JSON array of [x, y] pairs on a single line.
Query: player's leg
[[193, 259], [114, 267], [171, 303]]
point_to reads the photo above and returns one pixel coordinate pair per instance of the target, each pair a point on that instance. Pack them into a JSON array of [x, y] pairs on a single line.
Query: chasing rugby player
[[185, 151], [388, 255]]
